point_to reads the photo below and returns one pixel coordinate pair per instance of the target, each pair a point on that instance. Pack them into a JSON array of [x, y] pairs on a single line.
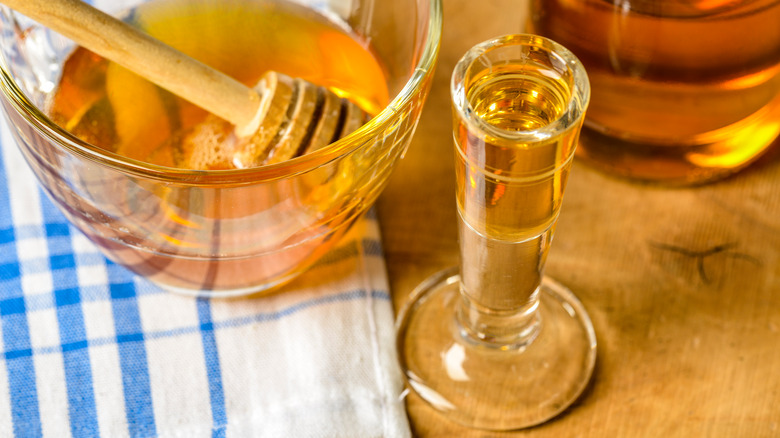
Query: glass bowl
[[221, 232]]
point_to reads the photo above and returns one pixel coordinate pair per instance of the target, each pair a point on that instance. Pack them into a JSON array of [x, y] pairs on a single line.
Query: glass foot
[[480, 385]]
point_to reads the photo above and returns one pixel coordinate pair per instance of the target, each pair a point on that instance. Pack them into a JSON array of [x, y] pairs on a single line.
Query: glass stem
[[500, 288]]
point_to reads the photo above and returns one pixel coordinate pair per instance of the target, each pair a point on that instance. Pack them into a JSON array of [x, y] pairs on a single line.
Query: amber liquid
[[682, 91], [111, 107], [239, 238], [509, 192]]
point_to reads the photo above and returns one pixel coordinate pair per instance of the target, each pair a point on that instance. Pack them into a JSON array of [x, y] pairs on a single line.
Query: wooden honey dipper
[[280, 118]]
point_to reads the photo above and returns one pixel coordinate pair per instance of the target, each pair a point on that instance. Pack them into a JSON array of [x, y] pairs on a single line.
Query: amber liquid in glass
[[682, 91], [111, 107], [510, 191], [216, 238]]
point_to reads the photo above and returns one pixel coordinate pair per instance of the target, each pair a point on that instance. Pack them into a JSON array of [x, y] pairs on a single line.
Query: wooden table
[[682, 285]]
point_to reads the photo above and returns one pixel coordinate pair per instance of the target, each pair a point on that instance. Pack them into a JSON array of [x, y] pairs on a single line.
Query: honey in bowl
[[113, 108], [228, 238]]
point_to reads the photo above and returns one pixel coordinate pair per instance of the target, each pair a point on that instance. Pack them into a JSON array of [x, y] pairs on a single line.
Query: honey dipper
[[278, 119]]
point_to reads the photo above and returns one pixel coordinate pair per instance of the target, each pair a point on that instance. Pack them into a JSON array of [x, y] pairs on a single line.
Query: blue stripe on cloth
[[25, 412], [35, 302], [213, 326], [10, 270], [70, 318], [7, 235], [265, 317], [21, 376], [139, 409], [213, 369], [373, 247], [54, 229], [78, 369]]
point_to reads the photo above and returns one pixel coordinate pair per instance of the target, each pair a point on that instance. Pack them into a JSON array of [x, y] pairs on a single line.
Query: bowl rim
[[298, 165]]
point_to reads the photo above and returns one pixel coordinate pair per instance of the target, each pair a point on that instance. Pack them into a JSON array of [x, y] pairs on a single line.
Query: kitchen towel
[[88, 349]]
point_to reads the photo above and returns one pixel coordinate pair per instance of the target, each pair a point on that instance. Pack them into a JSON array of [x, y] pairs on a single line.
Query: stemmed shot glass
[[495, 344]]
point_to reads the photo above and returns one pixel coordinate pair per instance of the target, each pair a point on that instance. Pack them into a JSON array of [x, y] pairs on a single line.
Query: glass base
[[485, 386]]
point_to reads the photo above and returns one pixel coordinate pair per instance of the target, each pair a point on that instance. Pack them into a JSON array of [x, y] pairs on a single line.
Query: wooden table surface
[[682, 285]]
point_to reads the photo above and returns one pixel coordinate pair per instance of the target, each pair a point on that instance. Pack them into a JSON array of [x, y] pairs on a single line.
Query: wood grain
[[683, 285]]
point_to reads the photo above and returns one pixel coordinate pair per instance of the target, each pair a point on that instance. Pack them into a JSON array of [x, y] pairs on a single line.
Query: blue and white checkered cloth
[[88, 349]]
